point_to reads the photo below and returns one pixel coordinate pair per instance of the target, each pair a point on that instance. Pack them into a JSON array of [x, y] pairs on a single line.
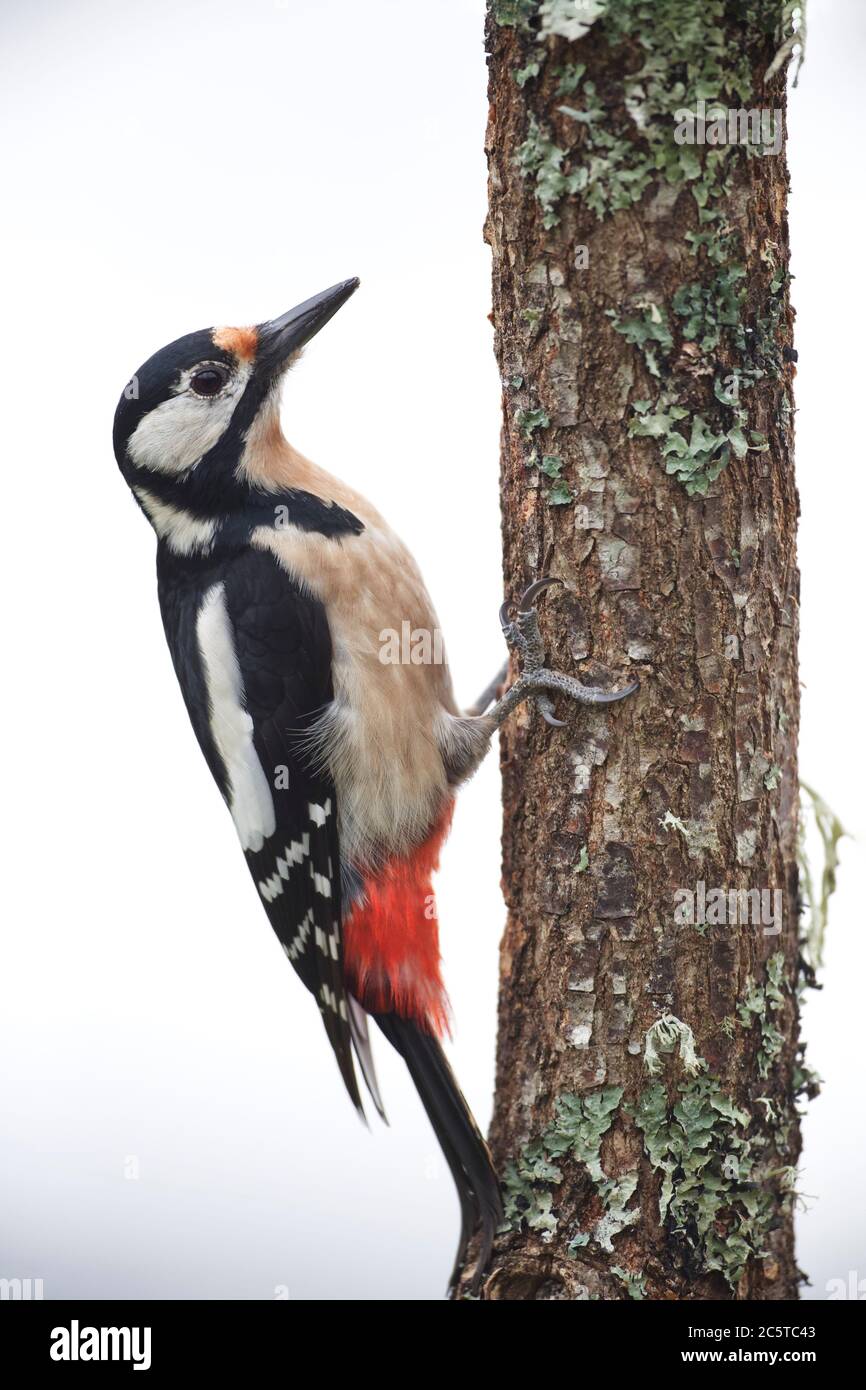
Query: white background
[[166, 167]]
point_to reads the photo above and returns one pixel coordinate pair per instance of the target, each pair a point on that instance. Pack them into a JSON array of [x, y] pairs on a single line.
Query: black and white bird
[[276, 582]]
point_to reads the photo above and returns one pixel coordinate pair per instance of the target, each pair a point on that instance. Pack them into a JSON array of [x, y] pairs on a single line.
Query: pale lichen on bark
[[697, 596]]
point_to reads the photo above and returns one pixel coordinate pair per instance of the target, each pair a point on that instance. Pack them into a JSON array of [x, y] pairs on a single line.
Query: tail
[[460, 1139]]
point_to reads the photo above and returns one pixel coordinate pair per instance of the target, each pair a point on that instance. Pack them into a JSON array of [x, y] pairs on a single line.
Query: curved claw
[[505, 616], [607, 697], [546, 707], [525, 605]]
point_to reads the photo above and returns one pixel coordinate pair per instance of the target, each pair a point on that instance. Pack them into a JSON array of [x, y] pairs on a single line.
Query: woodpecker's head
[[182, 422]]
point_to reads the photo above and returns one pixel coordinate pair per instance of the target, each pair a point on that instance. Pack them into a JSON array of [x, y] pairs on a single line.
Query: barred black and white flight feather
[[253, 657]]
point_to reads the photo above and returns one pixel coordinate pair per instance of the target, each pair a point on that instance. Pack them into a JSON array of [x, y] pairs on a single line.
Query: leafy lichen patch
[[760, 1004], [634, 1283], [714, 1197], [608, 151], [579, 1126]]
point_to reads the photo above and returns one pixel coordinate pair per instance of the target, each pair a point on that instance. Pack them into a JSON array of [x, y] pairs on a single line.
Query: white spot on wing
[[299, 941], [329, 998], [321, 884], [249, 795], [296, 853], [271, 888]]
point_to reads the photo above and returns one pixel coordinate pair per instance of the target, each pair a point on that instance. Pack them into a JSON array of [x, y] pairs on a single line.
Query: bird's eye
[[208, 381]]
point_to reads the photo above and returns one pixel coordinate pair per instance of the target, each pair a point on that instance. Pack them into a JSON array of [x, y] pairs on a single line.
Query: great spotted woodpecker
[[339, 769]]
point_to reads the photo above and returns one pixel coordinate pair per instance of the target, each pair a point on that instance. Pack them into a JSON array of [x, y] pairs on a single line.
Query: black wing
[[282, 646]]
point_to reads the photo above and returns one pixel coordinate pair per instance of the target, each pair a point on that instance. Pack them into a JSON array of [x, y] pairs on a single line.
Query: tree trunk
[[648, 1064]]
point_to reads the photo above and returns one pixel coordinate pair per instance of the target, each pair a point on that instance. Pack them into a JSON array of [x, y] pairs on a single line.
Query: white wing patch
[[250, 800]]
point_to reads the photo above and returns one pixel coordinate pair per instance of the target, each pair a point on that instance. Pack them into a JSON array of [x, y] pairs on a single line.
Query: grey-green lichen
[[714, 1197], [615, 1194], [514, 14], [718, 1197], [816, 904], [550, 465], [531, 420], [759, 1004], [694, 449], [647, 328], [793, 43], [566, 20], [667, 1035], [709, 310], [579, 1125], [806, 1082], [541, 158], [527, 1197], [689, 53], [529, 70], [691, 449], [634, 1283], [671, 822]]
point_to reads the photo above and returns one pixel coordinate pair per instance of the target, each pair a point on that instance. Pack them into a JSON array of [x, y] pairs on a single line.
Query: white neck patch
[[182, 532], [249, 795]]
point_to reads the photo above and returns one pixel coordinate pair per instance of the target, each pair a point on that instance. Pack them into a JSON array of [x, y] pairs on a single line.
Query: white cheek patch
[[249, 796], [175, 435]]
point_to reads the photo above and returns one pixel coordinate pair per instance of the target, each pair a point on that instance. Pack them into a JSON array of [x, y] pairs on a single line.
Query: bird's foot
[[536, 682]]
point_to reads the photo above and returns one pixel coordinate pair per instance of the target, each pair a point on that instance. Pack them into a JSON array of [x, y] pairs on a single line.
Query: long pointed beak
[[279, 338]]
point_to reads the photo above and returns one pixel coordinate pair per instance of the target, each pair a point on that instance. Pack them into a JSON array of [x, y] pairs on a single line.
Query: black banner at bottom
[[65, 1337]]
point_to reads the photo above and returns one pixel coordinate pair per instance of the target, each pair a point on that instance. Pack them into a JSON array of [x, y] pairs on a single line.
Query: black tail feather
[[460, 1139]]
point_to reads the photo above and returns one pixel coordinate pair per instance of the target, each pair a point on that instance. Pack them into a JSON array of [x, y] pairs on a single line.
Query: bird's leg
[[468, 735], [536, 682], [490, 693]]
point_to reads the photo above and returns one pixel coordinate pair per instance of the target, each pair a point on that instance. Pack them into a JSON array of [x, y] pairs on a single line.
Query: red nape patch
[[391, 938]]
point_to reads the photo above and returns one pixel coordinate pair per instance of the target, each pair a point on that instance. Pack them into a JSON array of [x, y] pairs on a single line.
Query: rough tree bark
[[648, 1066]]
